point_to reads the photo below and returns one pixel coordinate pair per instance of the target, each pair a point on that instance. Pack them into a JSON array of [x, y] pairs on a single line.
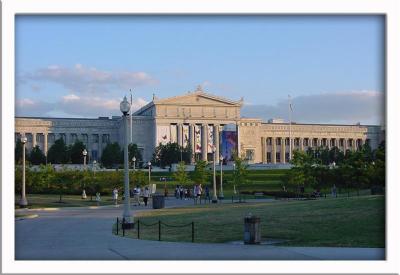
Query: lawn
[[340, 222], [53, 201]]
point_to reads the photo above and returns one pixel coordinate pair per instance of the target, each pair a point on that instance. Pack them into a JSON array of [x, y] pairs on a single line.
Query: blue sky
[[81, 66]]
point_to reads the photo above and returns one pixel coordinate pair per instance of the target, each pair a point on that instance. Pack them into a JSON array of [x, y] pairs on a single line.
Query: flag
[[290, 103]]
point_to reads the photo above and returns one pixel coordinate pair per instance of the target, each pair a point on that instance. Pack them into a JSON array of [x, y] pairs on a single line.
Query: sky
[[81, 66]]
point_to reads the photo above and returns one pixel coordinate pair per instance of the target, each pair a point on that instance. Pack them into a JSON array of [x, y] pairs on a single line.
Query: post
[[221, 195], [149, 172], [192, 232], [159, 230], [138, 229], [214, 199], [117, 225], [23, 202], [290, 129]]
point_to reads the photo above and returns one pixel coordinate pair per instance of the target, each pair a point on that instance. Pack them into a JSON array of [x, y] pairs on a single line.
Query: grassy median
[[340, 222]]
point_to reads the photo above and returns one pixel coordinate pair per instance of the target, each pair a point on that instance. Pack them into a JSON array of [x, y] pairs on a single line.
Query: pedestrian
[[146, 194], [137, 195], [115, 195], [181, 192], [334, 191], [195, 191], [207, 194], [199, 191], [98, 198]]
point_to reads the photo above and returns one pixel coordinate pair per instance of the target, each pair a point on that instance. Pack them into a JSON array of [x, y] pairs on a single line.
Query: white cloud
[[351, 107], [88, 80], [74, 106]]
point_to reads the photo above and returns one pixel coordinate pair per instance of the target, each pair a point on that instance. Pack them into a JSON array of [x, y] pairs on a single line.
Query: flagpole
[[290, 128], [130, 111]]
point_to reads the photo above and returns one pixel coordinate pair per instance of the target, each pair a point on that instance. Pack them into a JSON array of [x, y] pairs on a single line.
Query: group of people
[[134, 193], [192, 193]]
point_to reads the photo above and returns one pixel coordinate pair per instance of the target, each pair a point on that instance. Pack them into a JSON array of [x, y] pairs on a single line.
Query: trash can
[[158, 201], [252, 230]]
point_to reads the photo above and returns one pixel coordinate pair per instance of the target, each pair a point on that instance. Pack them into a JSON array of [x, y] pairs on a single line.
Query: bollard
[[138, 229], [192, 232], [252, 230], [159, 230]]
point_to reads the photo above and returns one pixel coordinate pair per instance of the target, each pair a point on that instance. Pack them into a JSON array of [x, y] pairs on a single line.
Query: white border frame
[[390, 8]]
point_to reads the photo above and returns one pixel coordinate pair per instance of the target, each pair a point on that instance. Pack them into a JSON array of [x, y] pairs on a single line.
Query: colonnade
[[276, 149]]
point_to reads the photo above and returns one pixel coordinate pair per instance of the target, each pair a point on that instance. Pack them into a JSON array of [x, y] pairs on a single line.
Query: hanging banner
[[185, 135], [163, 135], [229, 142], [197, 138], [174, 133], [210, 139]]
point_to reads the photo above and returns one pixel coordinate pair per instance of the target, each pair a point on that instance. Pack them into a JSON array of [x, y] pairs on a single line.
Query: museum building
[[199, 120]]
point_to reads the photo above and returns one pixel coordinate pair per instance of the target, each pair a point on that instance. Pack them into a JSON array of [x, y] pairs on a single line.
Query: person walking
[[207, 194], [198, 194], [181, 192], [334, 191], [98, 198], [146, 194], [115, 195]]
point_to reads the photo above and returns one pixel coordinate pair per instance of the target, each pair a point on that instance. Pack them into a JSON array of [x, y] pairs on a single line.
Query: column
[[263, 150], [216, 141], [328, 140], [318, 142], [283, 150], [100, 146], [204, 136], [301, 140], [345, 145], [33, 140], [273, 154], [45, 144], [191, 138], [180, 134]]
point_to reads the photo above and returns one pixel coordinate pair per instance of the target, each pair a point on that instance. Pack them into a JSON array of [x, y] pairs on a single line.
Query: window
[[305, 141], [269, 156], [278, 157], [50, 138], [94, 155], [106, 138], [297, 142], [249, 154], [287, 141], [269, 141], [287, 156], [95, 138], [39, 138], [341, 142], [278, 141]]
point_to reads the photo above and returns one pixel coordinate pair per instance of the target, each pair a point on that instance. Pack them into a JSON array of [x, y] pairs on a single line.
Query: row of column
[[330, 142], [65, 136], [204, 139]]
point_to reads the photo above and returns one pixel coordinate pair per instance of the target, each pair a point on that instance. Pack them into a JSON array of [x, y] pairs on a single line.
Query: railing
[[139, 223]]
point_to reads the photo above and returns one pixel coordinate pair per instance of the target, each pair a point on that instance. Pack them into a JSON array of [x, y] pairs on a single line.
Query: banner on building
[[197, 138], [229, 143], [163, 135], [210, 138], [185, 137], [174, 133]]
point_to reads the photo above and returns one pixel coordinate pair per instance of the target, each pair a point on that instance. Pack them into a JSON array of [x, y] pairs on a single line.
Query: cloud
[[72, 105], [351, 107], [88, 80]]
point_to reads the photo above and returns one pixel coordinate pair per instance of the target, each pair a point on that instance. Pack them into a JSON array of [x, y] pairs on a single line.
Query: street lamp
[[149, 164], [221, 194], [214, 199], [134, 163], [84, 153], [234, 185], [127, 216], [94, 167], [23, 202]]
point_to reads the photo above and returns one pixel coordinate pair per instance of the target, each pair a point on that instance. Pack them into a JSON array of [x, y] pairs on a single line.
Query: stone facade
[[196, 119]]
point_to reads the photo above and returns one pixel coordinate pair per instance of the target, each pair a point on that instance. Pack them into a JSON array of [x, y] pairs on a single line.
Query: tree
[[58, 152], [36, 156], [75, 152], [240, 172], [200, 174], [133, 151], [167, 154], [181, 175], [139, 178], [111, 155]]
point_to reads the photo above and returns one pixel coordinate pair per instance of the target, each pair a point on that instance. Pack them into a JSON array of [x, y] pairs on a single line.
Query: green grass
[[52, 201], [341, 222]]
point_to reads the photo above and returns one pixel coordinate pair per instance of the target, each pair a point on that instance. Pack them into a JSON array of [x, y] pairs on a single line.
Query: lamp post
[[127, 216], [84, 153], [23, 201], [214, 199], [149, 164], [233, 172], [221, 194], [134, 163], [94, 167]]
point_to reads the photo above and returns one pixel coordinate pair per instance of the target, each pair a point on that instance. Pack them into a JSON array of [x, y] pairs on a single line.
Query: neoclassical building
[[202, 121]]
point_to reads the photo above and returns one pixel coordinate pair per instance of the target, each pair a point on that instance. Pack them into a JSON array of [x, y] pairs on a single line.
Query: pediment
[[197, 98]]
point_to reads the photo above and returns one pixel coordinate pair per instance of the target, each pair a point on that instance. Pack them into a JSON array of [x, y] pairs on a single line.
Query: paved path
[[85, 234]]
